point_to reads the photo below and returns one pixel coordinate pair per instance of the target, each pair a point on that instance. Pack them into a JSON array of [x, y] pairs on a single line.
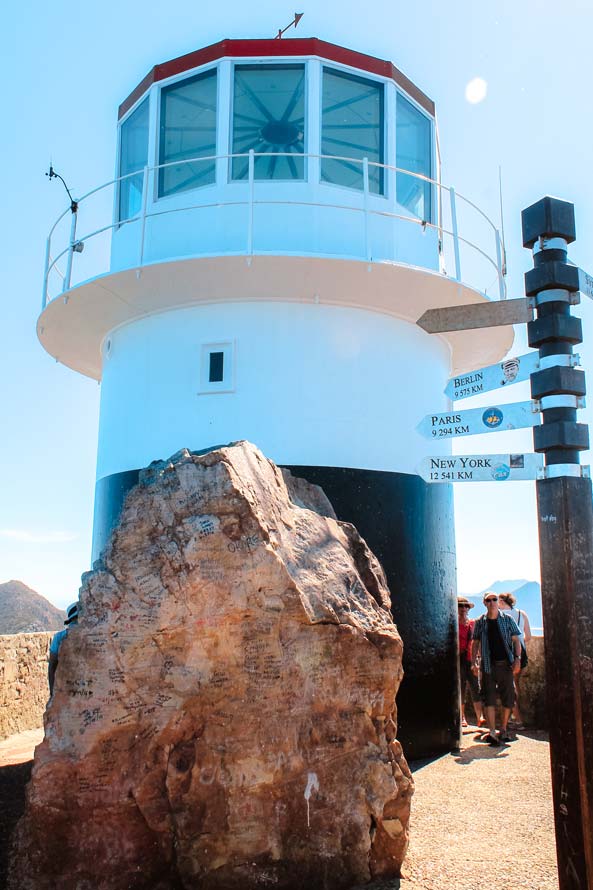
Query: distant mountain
[[529, 599], [22, 610]]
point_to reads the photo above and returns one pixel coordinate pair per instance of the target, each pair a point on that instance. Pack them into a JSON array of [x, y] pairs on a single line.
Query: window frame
[[433, 159], [360, 75], [203, 72], [227, 384], [279, 62], [146, 97]]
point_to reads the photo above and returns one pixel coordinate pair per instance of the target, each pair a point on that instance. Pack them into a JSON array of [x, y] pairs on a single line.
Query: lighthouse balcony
[[444, 232], [260, 239]]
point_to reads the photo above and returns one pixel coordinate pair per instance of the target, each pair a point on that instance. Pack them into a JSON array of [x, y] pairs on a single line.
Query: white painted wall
[[315, 385]]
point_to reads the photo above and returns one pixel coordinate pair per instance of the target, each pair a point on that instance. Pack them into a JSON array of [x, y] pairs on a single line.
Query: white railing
[[446, 201]]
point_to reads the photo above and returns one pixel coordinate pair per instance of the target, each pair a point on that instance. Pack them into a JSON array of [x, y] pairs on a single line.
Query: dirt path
[[481, 819]]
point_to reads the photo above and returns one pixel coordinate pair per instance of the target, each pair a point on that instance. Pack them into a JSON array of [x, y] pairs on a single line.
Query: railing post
[[143, 219], [68, 275], [365, 188], [46, 273], [455, 234], [251, 195], [501, 286]]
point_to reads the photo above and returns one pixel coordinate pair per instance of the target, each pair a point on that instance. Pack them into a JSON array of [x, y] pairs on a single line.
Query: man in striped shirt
[[496, 657]]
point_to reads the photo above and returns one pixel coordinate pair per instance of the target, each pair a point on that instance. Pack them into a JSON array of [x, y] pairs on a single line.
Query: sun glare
[[476, 90]]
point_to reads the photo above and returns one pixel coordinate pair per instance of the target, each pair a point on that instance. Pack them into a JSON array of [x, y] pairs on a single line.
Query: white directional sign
[[512, 370], [586, 283], [481, 468], [479, 420]]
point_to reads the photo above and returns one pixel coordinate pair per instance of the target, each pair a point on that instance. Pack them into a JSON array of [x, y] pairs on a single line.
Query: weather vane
[[297, 17], [53, 175]]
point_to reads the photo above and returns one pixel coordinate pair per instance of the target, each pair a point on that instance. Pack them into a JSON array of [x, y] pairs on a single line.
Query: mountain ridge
[[528, 594], [23, 610]]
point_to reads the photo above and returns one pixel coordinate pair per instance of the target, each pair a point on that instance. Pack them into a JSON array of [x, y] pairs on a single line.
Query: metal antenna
[[504, 249], [297, 17], [53, 175]]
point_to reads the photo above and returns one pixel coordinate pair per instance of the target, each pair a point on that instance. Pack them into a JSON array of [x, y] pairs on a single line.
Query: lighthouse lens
[[269, 118]]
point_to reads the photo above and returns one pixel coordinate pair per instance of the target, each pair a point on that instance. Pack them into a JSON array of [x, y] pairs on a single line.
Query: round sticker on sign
[[501, 472], [492, 418]]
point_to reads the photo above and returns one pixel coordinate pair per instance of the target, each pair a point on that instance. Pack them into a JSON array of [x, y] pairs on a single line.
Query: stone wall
[[24, 690], [533, 686]]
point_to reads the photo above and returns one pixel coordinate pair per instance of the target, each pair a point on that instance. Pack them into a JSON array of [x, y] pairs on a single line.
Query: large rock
[[224, 713]]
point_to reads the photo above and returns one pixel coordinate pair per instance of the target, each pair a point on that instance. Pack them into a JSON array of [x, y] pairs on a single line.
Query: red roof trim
[[295, 46]]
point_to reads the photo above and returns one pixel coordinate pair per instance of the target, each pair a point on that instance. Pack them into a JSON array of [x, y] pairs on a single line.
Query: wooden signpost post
[[564, 499]]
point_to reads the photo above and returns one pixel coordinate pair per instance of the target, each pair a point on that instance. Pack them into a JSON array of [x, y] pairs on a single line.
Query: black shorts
[[500, 681]]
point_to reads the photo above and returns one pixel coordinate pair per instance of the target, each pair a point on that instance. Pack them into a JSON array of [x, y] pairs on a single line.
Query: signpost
[[452, 424], [565, 520], [564, 498], [476, 315], [511, 370], [481, 468]]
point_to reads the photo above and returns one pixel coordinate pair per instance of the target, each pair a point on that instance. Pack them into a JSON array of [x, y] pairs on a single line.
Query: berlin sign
[[479, 420], [512, 370], [481, 468]]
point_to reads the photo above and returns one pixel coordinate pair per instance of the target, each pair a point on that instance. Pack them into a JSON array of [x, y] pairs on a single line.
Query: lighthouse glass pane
[[133, 156], [352, 129], [187, 134], [269, 117], [413, 153]]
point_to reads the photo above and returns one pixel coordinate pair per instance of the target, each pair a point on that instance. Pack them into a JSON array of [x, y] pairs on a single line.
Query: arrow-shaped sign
[[481, 468], [476, 315], [586, 283], [512, 370], [479, 420]]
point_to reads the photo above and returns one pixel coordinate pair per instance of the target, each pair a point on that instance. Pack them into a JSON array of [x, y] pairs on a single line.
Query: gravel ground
[[481, 819]]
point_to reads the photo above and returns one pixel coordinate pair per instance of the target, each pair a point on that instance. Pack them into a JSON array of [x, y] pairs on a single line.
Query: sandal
[[464, 723]]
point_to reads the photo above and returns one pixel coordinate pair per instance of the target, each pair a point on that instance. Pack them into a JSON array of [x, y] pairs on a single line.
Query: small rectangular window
[[216, 367]]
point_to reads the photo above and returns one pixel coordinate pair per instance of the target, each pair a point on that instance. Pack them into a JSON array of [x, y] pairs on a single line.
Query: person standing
[[507, 603], [56, 642], [496, 658], [467, 678]]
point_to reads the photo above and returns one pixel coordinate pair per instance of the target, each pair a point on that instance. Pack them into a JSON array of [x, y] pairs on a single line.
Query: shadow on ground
[[13, 780], [481, 751]]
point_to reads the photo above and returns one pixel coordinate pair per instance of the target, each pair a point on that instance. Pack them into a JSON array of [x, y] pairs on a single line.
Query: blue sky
[[66, 67]]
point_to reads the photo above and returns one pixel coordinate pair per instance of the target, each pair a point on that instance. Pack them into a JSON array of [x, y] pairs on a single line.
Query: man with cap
[[466, 676], [57, 640], [496, 656]]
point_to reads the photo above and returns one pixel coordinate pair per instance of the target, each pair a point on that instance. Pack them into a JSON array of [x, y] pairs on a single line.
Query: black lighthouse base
[[409, 527]]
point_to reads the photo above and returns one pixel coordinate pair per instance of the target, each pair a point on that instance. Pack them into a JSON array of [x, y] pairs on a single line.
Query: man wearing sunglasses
[[496, 656]]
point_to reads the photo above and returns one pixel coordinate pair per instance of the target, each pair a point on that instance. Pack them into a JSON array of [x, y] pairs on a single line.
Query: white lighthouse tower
[[275, 227]]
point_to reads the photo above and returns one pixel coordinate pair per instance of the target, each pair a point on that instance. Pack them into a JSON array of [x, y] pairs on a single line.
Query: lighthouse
[[275, 226]]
